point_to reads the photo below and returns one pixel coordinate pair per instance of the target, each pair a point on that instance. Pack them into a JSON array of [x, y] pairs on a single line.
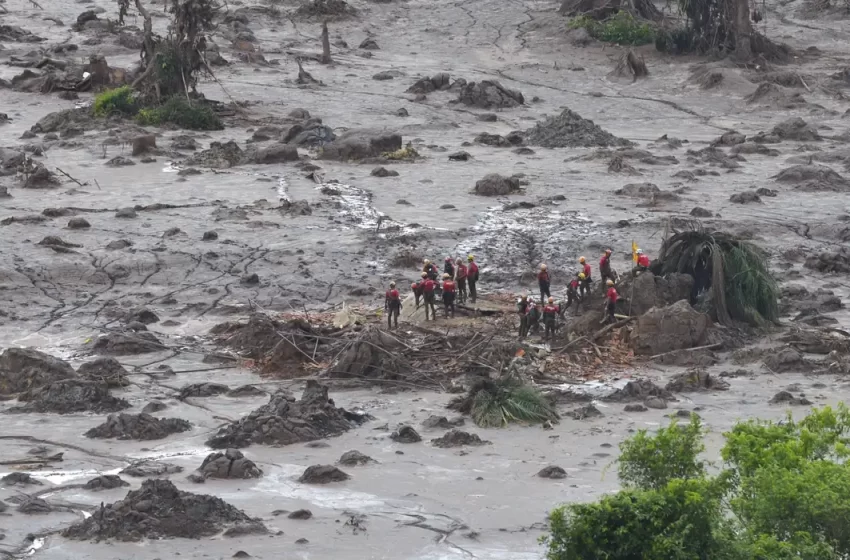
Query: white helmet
[[640, 251]]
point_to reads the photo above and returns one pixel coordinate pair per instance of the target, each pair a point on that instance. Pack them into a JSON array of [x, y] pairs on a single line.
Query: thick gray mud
[[415, 501]]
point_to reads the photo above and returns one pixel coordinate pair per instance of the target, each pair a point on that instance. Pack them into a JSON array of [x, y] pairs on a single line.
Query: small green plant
[[119, 100], [182, 113], [621, 28]]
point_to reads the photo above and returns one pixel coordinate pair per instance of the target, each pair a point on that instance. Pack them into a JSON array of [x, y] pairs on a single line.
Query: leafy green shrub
[[119, 100], [494, 404], [652, 462], [182, 113], [621, 28]]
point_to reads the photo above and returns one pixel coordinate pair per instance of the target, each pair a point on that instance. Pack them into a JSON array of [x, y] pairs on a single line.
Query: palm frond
[[497, 404]]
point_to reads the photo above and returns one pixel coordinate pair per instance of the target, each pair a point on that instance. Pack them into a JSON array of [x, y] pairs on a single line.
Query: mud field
[[148, 265]]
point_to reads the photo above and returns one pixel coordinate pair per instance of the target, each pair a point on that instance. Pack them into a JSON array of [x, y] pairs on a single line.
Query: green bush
[[784, 494], [120, 100], [182, 113], [621, 28]]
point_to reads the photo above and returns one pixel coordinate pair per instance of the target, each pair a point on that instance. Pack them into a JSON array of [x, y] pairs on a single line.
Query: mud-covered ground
[[416, 501]]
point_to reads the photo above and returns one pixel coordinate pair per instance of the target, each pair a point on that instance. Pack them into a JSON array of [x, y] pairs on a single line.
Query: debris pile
[[125, 344], [22, 369], [489, 94], [571, 130], [147, 468], [138, 427], [371, 355], [202, 390], [106, 371], [230, 464], [105, 482], [70, 395], [675, 327], [159, 510], [458, 438], [284, 421], [696, 380]]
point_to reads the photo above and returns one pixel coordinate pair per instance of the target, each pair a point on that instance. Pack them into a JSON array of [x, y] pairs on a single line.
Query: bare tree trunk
[[326, 44], [148, 33], [740, 12]]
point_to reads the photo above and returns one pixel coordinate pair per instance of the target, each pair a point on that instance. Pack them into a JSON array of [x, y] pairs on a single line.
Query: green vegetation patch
[[621, 28]]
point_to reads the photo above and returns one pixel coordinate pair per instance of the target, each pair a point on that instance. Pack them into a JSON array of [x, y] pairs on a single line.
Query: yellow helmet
[[470, 258], [392, 284], [427, 261], [581, 276], [581, 260], [543, 266], [447, 275], [424, 274], [609, 282]]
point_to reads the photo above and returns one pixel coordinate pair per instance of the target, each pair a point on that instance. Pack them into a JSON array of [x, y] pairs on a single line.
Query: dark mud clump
[[441, 422], [784, 397], [571, 130], [125, 344], [489, 94], [553, 472], [437, 82], [675, 327], [638, 391], [361, 145], [247, 391], [230, 464], [326, 10], [19, 479], [105, 482], [148, 468], [218, 156], [34, 506], [796, 129], [746, 197], [813, 178], [355, 459], [405, 434], [787, 360], [138, 427], [496, 185], [154, 406], [159, 510], [202, 390], [68, 396], [830, 261], [301, 514], [323, 474], [458, 438], [585, 412], [106, 371], [22, 369], [696, 380], [284, 421]]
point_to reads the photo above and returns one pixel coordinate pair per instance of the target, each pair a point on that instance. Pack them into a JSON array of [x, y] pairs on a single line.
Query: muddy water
[[418, 501]]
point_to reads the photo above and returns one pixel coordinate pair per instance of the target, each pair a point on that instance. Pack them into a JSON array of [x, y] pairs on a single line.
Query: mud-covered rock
[[571, 130], [458, 438], [696, 380], [355, 459], [700, 212], [405, 434], [104, 370], [585, 412], [247, 391], [326, 10], [656, 403], [125, 344], [437, 82], [147, 468], [300, 514], [837, 260], [218, 156], [813, 178], [460, 156], [552, 471], [784, 397], [70, 395], [494, 184], [184, 142], [787, 360], [489, 94], [230, 464], [154, 406], [143, 315], [322, 474], [34, 506], [635, 408], [159, 510], [796, 129], [202, 390], [284, 421], [140, 427], [370, 356], [675, 327], [441, 422], [638, 391], [646, 291], [19, 479], [105, 482], [78, 223], [276, 153], [384, 172], [361, 144], [746, 197], [22, 369]]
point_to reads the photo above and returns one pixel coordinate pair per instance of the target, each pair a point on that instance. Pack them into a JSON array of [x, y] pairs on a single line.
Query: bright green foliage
[[502, 403], [120, 100], [653, 461], [182, 113], [621, 28], [784, 495]]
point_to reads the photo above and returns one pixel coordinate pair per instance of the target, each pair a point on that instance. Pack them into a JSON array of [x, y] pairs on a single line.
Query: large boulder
[[276, 153], [647, 291], [361, 144], [675, 327], [494, 184], [70, 395], [140, 427], [230, 464], [489, 94], [22, 369]]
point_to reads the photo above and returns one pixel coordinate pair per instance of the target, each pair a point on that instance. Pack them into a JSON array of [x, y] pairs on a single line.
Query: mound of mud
[[22, 369], [813, 178], [202, 390], [230, 464], [695, 380], [19, 479], [830, 261], [355, 459], [784, 397], [323, 474], [105, 482], [106, 371], [585, 412], [489, 94], [776, 96], [147, 468], [326, 10], [437, 82], [787, 360], [796, 129], [458, 438], [284, 421], [639, 391], [552, 471], [571, 130], [675, 327], [361, 144], [158, 510], [138, 427], [127, 344], [372, 355], [218, 156], [405, 434], [70, 395], [494, 184], [434, 422]]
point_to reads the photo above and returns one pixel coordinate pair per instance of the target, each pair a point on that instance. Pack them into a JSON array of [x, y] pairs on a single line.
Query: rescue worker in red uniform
[[449, 267], [611, 297], [605, 270], [543, 281], [472, 278], [572, 292], [428, 288], [430, 269], [642, 263], [417, 288], [460, 277], [550, 316], [392, 306], [535, 312], [585, 284], [449, 293], [522, 309]]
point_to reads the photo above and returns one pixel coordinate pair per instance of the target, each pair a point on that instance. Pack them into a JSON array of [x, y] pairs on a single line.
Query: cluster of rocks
[[138, 427]]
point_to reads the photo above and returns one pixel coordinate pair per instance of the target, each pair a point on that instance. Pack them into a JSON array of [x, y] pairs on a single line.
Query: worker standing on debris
[[428, 288], [431, 270], [449, 293], [535, 312], [449, 267], [416, 287], [585, 284], [572, 292], [611, 298], [605, 270], [472, 278], [460, 276], [550, 315], [543, 281], [642, 263], [522, 306], [392, 306]]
